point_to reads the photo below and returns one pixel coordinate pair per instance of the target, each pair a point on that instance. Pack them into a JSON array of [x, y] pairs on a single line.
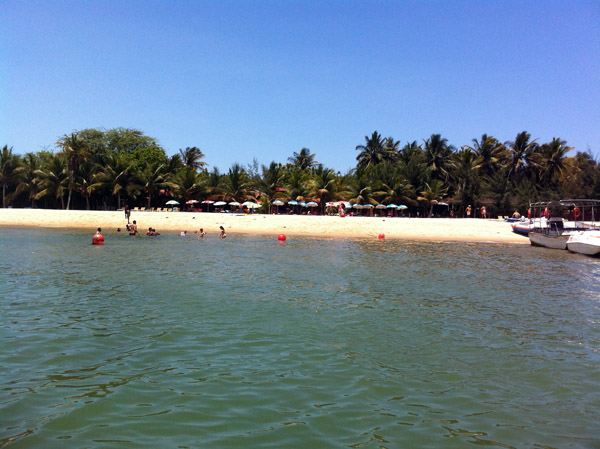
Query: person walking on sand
[[127, 213], [222, 235]]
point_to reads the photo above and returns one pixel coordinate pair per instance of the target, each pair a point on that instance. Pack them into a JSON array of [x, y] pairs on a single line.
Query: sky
[[253, 79]]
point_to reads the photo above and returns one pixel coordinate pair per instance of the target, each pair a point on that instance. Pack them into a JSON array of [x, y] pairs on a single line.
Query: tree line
[[107, 169]]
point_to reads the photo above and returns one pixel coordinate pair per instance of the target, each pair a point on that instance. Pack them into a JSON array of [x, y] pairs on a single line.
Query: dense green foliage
[[96, 169]]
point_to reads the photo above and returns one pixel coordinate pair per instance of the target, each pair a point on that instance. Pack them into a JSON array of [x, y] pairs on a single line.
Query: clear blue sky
[[243, 78]]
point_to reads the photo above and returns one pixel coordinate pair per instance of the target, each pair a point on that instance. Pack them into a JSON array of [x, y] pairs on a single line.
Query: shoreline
[[424, 229]]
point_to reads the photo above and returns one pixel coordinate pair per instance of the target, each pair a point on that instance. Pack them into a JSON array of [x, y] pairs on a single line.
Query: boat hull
[[521, 228], [586, 242], [549, 240]]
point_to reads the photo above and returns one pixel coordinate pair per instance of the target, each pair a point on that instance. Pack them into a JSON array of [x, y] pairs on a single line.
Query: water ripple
[[313, 343]]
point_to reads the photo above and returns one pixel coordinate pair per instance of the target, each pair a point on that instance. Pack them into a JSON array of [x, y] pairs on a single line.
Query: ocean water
[[312, 343]]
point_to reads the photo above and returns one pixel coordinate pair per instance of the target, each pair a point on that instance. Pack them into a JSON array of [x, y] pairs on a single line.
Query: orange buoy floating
[[381, 236], [281, 237], [98, 239]]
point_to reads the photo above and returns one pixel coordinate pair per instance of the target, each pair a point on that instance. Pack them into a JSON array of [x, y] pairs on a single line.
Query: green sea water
[[176, 342]]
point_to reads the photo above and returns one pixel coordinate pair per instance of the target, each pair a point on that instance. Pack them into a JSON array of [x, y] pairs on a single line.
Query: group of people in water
[[132, 229], [151, 232]]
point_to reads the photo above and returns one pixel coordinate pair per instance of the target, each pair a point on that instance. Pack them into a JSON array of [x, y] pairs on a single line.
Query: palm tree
[[465, 177], [10, 169], [152, 179], [235, 185], [520, 151], [29, 182], [75, 149], [490, 154], [433, 193], [272, 179], [411, 151], [303, 160], [86, 181], [398, 191], [115, 175], [213, 184], [174, 164], [437, 155], [375, 151], [54, 179], [296, 184], [188, 183], [361, 191], [323, 185], [191, 158], [551, 159]]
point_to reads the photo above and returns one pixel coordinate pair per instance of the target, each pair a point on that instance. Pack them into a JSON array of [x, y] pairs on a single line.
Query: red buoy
[[281, 237], [98, 239], [381, 236]]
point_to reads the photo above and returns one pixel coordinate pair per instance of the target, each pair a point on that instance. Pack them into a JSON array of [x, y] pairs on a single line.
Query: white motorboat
[[552, 236], [584, 242]]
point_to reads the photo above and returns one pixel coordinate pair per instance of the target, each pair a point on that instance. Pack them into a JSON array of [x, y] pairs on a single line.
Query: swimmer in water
[[222, 235], [133, 228], [201, 233]]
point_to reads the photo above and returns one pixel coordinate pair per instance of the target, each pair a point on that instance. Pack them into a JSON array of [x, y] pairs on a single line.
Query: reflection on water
[[169, 341]]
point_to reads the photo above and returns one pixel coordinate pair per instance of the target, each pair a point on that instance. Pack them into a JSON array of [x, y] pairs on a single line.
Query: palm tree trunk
[[69, 199], [3, 195]]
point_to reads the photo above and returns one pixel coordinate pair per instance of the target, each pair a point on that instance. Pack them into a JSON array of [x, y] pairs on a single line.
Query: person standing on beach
[[127, 213]]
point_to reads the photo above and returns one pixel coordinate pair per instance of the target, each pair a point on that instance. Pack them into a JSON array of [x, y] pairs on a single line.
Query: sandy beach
[[437, 229]]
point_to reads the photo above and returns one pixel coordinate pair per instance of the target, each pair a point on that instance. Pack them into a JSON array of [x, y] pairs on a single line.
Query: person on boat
[[222, 235], [516, 214]]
